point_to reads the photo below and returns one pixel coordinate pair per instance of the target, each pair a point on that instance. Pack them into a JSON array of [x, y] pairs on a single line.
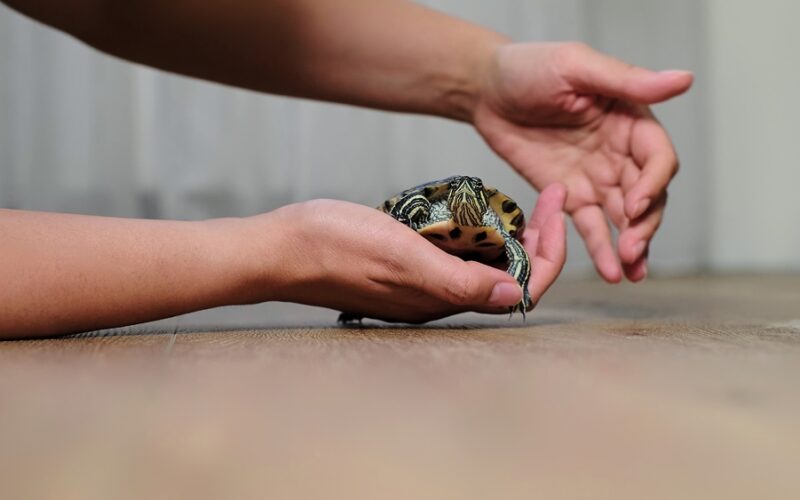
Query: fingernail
[[675, 72], [638, 250], [505, 294], [641, 207]]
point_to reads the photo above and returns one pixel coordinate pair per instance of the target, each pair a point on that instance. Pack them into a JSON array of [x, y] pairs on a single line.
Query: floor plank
[[677, 388]]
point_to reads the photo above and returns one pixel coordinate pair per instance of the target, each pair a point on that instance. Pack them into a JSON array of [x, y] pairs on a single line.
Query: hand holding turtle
[[353, 258], [566, 113]]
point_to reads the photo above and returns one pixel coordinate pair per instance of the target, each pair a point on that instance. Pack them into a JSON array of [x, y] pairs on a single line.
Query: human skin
[[68, 273], [560, 114], [565, 113]]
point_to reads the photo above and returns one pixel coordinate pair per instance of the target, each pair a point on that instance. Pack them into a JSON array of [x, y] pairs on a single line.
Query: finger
[[614, 205], [634, 240], [545, 239], [636, 271], [549, 257], [465, 283], [592, 226], [551, 201], [590, 71], [651, 148]]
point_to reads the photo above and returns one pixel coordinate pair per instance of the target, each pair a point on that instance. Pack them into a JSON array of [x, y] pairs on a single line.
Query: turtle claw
[[517, 308], [525, 305], [512, 310]]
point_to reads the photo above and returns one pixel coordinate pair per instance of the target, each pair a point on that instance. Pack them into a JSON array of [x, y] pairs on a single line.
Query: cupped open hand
[[565, 113], [357, 259]]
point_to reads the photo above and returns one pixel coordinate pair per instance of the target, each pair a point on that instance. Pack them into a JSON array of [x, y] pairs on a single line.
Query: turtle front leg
[[519, 266], [411, 209]]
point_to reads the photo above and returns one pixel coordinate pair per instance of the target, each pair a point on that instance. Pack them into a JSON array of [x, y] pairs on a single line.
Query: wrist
[[238, 258], [463, 92], [256, 254]]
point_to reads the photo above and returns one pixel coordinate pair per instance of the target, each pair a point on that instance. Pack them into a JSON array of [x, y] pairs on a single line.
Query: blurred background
[[83, 132]]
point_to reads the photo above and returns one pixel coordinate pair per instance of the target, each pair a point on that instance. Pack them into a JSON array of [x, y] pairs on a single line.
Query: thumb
[[461, 283], [592, 72]]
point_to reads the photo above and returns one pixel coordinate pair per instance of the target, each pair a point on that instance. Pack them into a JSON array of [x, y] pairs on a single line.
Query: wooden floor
[[677, 388]]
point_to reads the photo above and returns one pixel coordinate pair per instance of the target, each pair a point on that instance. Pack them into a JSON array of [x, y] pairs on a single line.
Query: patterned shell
[[507, 210]]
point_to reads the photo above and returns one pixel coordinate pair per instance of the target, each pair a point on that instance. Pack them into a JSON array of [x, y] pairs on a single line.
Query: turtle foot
[[349, 319]]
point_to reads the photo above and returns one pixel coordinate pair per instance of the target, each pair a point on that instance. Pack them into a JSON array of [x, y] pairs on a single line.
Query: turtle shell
[[511, 216], [483, 243], [433, 191]]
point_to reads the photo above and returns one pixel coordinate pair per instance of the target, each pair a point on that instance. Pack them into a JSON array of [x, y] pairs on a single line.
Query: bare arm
[[63, 273], [389, 54]]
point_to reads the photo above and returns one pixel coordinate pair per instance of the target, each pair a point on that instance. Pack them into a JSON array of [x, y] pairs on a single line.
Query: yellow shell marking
[[477, 243]]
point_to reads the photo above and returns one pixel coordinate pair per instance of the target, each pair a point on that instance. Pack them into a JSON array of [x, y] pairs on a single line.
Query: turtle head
[[467, 200]]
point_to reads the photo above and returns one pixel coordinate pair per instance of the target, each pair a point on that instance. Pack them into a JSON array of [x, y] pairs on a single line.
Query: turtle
[[465, 218]]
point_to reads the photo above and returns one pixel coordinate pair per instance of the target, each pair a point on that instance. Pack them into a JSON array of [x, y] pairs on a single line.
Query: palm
[[592, 159], [601, 148]]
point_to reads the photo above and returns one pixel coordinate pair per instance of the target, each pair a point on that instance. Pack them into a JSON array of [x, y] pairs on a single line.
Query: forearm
[[388, 54], [66, 273]]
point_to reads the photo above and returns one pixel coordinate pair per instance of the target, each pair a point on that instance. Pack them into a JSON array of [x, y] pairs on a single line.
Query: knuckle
[[394, 267], [657, 225], [568, 55], [676, 166], [459, 289], [577, 48]]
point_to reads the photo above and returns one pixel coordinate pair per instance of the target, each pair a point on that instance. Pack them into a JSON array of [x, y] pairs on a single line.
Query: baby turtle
[[467, 219]]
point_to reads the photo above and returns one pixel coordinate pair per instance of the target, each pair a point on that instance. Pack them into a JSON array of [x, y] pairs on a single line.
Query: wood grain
[[677, 388]]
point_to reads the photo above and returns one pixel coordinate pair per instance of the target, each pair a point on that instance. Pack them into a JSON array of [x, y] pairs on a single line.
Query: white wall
[[754, 59]]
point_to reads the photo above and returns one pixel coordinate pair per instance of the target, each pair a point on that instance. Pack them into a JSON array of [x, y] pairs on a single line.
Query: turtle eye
[[478, 182]]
